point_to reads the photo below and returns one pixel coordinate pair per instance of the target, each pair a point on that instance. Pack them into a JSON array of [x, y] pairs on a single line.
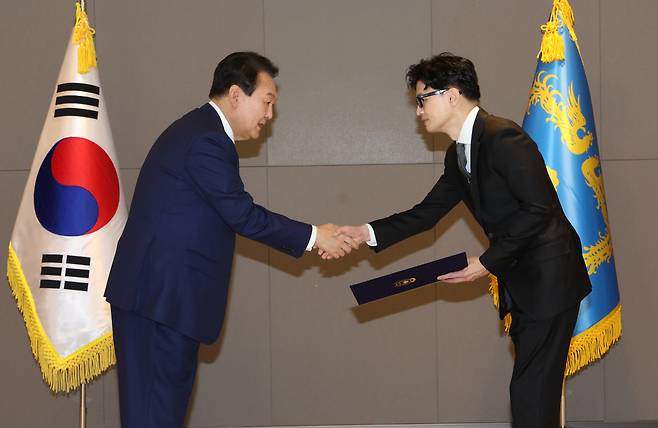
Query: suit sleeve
[[517, 159], [445, 194], [213, 168]]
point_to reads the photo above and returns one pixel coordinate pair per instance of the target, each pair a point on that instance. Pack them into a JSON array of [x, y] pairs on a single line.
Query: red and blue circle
[[77, 189]]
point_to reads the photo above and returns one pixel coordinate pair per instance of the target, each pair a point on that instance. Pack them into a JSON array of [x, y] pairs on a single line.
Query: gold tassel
[[552, 45], [83, 35], [585, 348], [493, 290], [593, 343], [61, 374]]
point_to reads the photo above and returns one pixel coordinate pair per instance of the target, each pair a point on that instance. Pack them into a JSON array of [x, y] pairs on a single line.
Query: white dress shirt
[[465, 136], [225, 124], [229, 132]]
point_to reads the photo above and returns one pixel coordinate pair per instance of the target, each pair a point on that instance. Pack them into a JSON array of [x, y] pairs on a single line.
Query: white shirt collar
[[225, 124], [466, 133]]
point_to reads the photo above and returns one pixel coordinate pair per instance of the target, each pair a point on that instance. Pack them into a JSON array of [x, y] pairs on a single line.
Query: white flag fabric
[[70, 218]]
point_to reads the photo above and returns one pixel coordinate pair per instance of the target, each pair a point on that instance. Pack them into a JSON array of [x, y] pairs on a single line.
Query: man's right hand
[[332, 245], [360, 234], [357, 234]]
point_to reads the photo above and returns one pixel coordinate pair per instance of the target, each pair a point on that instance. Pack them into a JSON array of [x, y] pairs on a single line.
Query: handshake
[[333, 242]]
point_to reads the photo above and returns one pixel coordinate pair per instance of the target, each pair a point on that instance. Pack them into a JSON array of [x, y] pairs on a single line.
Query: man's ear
[[454, 95], [234, 93]]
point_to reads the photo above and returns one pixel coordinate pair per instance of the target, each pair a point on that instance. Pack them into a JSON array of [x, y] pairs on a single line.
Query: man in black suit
[[497, 170], [169, 280]]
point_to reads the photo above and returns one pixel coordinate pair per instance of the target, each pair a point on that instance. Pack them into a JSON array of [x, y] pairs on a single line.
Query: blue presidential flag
[[559, 118]]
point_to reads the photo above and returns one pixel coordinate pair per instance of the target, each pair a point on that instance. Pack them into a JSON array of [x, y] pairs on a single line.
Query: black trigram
[[73, 274], [70, 103]]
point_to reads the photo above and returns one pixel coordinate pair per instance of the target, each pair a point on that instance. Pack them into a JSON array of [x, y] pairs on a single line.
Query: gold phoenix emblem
[[404, 282]]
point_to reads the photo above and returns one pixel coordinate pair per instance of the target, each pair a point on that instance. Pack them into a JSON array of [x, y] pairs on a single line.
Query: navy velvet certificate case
[[408, 279]]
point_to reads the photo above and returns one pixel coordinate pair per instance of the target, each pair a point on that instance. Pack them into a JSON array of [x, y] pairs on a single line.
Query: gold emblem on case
[[404, 282]]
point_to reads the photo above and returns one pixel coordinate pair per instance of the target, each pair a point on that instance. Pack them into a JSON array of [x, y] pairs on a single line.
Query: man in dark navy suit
[[496, 169], [169, 279]]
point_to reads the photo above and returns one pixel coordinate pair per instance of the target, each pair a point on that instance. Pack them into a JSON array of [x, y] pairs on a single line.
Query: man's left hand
[[473, 271]]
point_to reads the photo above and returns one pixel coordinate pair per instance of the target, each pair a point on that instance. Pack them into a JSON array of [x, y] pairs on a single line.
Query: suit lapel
[[478, 131]]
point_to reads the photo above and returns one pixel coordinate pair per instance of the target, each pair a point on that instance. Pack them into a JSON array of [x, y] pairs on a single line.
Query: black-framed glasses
[[420, 99]]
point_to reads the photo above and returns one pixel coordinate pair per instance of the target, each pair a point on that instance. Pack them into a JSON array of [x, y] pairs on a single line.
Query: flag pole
[[563, 405], [83, 387], [83, 405]]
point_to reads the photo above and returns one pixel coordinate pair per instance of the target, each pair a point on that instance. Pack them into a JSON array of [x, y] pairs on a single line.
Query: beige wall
[[345, 147]]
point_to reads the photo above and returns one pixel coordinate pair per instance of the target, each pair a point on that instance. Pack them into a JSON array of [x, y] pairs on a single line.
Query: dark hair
[[446, 70], [240, 68]]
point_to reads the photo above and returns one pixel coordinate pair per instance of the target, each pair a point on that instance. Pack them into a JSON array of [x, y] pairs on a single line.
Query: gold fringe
[[585, 348], [61, 374], [552, 45], [493, 289], [593, 343], [83, 35]]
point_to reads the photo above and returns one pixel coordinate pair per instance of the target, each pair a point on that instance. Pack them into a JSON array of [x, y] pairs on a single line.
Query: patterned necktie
[[461, 160]]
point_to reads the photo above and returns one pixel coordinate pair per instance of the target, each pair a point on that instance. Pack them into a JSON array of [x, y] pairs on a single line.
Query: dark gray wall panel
[[233, 381], [96, 401], [585, 395], [110, 393], [33, 39], [27, 400], [333, 363], [631, 368], [474, 357], [628, 70], [343, 97], [474, 360], [504, 55], [159, 62]]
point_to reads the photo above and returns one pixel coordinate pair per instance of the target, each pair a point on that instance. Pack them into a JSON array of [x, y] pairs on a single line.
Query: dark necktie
[[461, 160]]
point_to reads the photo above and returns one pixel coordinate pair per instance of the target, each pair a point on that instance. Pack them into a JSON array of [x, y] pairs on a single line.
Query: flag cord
[[552, 45], [83, 36]]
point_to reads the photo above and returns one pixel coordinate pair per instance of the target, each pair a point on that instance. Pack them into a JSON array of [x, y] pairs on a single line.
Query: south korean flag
[[70, 218]]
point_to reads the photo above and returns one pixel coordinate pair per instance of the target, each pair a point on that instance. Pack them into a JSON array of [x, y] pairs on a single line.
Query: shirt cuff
[[311, 241], [372, 242]]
